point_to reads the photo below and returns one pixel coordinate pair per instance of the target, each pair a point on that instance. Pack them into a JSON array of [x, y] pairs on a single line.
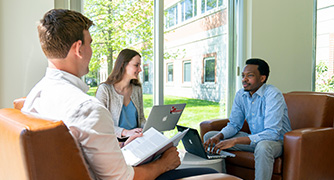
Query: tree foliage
[[119, 24], [324, 83]]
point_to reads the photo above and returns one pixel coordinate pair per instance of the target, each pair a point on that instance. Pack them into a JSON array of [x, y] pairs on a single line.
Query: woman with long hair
[[122, 94]]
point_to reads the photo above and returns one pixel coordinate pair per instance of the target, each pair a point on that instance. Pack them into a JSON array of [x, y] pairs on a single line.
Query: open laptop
[[164, 117], [193, 144]]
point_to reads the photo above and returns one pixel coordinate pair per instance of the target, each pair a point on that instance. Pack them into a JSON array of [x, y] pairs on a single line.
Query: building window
[[145, 74], [188, 9], [170, 72], [186, 71], [209, 69], [207, 5], [171, 17]]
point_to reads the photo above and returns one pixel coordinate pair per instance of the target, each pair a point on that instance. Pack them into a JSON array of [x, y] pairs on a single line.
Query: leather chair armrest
[[308, 153], [214, 176], [212, 125]]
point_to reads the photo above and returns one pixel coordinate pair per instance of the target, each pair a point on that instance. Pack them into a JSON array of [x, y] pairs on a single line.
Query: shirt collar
[[62, 75], [259, 92]]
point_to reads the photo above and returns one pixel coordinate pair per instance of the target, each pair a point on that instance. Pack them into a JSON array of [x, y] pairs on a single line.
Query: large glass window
[[187, 35], [325, 46], [203, 38], [119, 25]]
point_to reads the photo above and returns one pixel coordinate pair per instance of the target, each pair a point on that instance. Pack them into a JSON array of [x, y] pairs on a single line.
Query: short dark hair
[[59, 29], [263, 66]]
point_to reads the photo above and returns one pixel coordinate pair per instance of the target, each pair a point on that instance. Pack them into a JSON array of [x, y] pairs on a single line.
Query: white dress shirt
[[62, 96]]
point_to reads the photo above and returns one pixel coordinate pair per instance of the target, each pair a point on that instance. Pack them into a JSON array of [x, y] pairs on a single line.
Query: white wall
[[22, 62], [281, 33]]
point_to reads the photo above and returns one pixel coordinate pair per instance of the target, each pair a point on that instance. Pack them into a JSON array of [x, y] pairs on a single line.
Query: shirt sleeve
[[91, 126], [236, 118], [273, 118], [103, 95]]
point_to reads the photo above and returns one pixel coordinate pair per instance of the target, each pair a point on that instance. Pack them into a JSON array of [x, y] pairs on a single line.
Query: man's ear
[[76, 47], [263, 78]]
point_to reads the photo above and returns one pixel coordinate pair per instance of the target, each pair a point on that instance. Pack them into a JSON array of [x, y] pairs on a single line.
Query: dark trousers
[[187, 172]]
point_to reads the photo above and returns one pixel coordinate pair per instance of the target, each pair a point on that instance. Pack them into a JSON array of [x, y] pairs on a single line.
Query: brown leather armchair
[[308, 148], [32, 148], [38, 149]]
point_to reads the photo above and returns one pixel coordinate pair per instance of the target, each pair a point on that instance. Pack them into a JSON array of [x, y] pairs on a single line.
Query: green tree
[[324, 83], [119, 24]]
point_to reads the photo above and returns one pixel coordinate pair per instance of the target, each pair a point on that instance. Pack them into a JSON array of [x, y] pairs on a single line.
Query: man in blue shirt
[[264, 108]]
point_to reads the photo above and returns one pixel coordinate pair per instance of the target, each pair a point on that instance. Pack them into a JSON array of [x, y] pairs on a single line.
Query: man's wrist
[[220, 136]]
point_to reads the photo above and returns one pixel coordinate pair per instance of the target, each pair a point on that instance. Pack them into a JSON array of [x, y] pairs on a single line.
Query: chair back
[[310, 109], [32, 148], [18, 103]]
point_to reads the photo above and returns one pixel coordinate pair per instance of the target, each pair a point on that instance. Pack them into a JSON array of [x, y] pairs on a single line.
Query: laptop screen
[[164, 117], [192, 142]]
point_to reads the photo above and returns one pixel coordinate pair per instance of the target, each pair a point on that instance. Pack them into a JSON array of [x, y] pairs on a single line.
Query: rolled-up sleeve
[[236, 118]]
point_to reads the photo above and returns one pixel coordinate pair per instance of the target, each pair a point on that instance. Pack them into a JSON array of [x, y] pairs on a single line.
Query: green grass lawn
[[92, 91]]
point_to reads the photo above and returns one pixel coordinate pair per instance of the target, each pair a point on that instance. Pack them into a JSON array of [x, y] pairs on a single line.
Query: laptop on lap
[[164, 117], [193, 144]]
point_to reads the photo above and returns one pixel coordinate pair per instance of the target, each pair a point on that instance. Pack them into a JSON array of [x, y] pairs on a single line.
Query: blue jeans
[[265, 153]]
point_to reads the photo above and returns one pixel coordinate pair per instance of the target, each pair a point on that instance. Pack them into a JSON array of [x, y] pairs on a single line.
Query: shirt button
[[253, 102], [253, 114]]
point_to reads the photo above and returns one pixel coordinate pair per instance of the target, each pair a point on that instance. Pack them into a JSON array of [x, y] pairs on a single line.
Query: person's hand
[[170, 159], [127, 133], [225, 144], [211, 142], [131, 138]]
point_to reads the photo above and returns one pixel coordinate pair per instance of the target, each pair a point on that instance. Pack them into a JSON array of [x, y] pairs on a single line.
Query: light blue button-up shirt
[[265, 112]]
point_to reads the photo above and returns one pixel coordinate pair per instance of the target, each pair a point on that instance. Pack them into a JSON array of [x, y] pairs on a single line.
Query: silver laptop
[[164, 117], [193, 144]]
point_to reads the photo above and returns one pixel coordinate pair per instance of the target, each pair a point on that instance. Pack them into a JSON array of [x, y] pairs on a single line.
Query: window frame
[[167, 72], [175, 16], [183, 8], [204, 9], [212, 56], [183, 72]]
